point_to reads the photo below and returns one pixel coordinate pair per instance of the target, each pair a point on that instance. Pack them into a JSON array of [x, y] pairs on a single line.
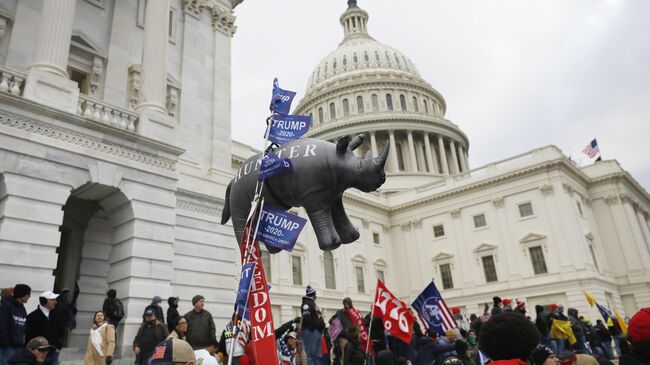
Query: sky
[[516, 75]]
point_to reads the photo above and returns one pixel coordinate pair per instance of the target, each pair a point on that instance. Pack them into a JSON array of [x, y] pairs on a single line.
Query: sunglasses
[[43, 350]]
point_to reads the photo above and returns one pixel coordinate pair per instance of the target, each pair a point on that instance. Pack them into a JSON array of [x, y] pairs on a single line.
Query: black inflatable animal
[[322, 171]]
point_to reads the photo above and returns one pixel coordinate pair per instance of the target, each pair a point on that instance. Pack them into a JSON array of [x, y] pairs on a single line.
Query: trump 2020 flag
[[281, 99], [434, 311], [286, 128], [397, 318], [247, 271], [272, 165], [279, 228]]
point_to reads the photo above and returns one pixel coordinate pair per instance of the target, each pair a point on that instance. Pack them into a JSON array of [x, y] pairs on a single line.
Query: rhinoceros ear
[[356, 141], [342, 144]]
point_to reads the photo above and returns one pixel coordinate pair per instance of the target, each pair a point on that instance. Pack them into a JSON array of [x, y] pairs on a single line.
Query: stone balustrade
[[11, 81], [101, 112]]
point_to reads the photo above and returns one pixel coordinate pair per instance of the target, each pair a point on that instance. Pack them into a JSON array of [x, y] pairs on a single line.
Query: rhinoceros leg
[[321, 221], [344, 227]]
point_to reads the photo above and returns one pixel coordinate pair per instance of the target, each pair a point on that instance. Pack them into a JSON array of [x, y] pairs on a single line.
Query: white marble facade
[[113, 167]]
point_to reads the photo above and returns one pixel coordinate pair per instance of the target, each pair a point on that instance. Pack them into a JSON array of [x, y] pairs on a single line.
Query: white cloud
[[516, 75]]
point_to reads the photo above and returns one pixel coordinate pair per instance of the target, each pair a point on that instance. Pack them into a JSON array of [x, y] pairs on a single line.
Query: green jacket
[[200, 328]]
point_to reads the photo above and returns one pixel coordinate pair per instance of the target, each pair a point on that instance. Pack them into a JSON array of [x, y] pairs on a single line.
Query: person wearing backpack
[[113, 308]]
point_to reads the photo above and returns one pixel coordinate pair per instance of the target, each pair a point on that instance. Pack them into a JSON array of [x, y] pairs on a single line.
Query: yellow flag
[[562, 330], [590, 299], [621, 322]]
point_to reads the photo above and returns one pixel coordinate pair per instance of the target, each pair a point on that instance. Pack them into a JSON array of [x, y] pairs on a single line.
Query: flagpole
[[372, 316]]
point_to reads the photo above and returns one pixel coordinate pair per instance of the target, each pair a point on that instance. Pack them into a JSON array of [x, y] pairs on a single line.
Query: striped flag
[[592, 149], [433, 310]]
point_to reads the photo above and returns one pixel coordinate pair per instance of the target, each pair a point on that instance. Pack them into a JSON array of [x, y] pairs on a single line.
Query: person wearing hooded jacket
[[312, 326], [430, 350], [639, 336], [579, 330], [13, 317], [155, 302], [172, 313], [543, 326]]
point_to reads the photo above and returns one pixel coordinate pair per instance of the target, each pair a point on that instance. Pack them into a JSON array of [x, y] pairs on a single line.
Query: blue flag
[[433, 310], [286, 128], [279, 228], [281, 99], [272, 165], [247, 271], [604, 312]]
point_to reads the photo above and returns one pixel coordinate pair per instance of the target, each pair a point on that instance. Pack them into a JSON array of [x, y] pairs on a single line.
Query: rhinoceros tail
[[225, 215]]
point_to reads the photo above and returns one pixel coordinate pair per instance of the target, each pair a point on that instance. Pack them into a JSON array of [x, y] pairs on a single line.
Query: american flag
[[159, 352], [592, 149], [434, 311]]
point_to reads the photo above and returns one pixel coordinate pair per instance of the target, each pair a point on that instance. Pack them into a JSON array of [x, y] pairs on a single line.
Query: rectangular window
[[489, 269], [380, 276], [537, 258], [266, 262], [525, 210], [80, 78], [445, 274], [580, 208], [438, 230], [479, 221], [593, 256], [361, 286], [296, 267], [330, 276], [375, 238]]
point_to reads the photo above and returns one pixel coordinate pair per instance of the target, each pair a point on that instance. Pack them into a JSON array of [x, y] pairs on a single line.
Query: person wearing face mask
[[151, 333], [42, 322], [472, 345], [101, 343]]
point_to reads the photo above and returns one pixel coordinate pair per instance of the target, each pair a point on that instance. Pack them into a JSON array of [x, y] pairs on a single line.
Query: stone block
[[204, 264], [35, 189], [154, 212], [194, 249], [148, 193], [32, 210], [52, 90], [17, 253], [93, 267], [143, 248], [37, 233]]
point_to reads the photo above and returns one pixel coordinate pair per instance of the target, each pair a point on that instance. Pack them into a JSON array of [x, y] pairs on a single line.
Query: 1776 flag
[[592, 149], [434, 311], [397, 318]]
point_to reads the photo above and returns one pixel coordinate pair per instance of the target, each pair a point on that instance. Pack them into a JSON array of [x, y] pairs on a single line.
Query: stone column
[[154, 120], [443, 155], [637, 235], [466, 160], [454, 157], [373, 144], [643, 225], [414, 160], [47, 79], [427, 151], [393, 151], [461, 156]]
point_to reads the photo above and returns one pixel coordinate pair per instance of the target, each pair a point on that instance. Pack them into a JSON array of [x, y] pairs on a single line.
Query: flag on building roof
[[433, 310], [592, 149]]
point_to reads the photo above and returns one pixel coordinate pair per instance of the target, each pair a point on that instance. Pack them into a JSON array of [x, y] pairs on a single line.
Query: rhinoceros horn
[[381, 159]]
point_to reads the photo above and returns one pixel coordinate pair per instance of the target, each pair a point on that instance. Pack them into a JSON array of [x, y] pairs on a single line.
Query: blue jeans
[[559, 345], [8, 353], [607, 349], [311, 340]]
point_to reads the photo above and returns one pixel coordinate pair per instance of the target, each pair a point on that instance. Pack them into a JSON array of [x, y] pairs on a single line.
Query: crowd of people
[[502, 335]]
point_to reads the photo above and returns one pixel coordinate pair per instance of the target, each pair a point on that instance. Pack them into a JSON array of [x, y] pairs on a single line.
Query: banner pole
[[372, 316]]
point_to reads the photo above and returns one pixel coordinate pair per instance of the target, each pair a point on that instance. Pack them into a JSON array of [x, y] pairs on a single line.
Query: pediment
[[82, 41], [359, 258], [532, 237], [483, 247], [443, 256], [380, 263]]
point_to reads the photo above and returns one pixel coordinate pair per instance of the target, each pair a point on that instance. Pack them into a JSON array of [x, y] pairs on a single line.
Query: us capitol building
[[114, 159]]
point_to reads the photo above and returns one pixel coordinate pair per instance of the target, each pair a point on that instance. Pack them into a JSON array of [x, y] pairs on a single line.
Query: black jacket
[[24, 357], [639, 354], [311, 317], [51, 328], [428, 350], [172, 314], [541, 322], [149, 335], [353, 353], [13, 317]]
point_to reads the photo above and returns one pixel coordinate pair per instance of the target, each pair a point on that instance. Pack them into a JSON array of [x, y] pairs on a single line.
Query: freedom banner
[[281, 99], [286, 128], [397, 318], [247, 271], [278, 228], [433, 310], [262, 329], [357, 320], [272, 165]]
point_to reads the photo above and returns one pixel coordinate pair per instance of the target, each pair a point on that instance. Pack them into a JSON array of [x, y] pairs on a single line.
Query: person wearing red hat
[[507, 305], [520, 308], [639, 336]]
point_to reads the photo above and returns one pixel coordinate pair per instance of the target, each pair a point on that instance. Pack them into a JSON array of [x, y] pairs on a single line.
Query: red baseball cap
[[639, 327], [507, 301]]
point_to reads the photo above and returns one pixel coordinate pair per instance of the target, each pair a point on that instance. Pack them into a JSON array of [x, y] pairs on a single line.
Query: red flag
[[357, 320], [397, 318], [262, 330]]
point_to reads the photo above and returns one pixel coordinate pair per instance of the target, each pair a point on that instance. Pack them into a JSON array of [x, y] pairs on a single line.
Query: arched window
[[311, 117], [359, 104], [328, 266], [375, 102], [355, 59], [400, 157], [389, 102], [320, 115], [426, 107], [365, 56], [396, 59], [332, 111], [415, 105], [345, 60], [376, 56], [402, 102], [346, 108]]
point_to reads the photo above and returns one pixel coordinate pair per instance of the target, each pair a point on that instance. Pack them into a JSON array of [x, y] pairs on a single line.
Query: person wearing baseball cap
[[13, 316], [639, 336], [173, 351], [496, 308], [35, 353], [150, 334], [42, 322]]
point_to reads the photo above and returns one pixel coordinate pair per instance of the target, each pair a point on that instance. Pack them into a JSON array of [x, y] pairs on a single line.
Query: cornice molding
[[93, 143]]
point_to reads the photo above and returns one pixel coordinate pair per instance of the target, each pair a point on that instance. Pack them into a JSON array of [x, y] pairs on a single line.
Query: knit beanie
[[20, 290], [196, 298], [310, 292], [496, 300], [111, 293], [540, 354], [639, 327]]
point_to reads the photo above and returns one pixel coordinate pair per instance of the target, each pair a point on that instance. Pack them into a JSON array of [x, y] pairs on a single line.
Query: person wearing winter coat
[[13, 317], [312, 326], [605, 339], [579, 330], [150, 334], [430, 350], [155, 302], [101, 342], [113, 308], [543, 326], [496, 308], [353, 355], [34, 354], [639, 336], [200, 325], [180, 330], [43, 322], [172, 313]]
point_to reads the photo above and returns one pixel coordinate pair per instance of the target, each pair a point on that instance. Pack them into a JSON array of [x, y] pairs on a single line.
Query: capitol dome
[[365, 86]]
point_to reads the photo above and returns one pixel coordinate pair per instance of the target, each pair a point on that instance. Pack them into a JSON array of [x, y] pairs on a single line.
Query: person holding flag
[[312, 326], [434, 311]]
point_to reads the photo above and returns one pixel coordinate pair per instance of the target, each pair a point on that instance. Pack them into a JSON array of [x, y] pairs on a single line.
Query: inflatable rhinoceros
[[322, 171]]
